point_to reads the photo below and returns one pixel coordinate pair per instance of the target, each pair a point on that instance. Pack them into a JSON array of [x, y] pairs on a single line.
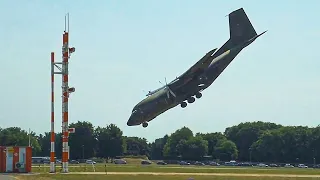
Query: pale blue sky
[[123, 48]]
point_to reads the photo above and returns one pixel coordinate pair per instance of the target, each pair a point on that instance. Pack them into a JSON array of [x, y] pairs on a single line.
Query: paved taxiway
[[7, 177]]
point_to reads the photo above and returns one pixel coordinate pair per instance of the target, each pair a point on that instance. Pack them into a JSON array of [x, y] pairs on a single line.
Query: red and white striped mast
[[52, 135], [64, 71]]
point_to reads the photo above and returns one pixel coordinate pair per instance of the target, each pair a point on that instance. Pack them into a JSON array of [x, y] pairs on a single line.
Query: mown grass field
[[145, 177], [134, 166], [178, 169]]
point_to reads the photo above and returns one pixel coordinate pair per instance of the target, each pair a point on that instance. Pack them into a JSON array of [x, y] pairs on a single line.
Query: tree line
[[250, 142]]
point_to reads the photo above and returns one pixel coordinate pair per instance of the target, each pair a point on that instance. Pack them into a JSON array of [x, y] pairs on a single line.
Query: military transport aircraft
[[199, 77]]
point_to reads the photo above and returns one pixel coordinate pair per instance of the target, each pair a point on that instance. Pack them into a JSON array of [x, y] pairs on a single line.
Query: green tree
[[278, 144], [194, 148], [170, 148], [110, 142], [115, 141], [226, 150], [212, 139], [58, 146], [44, 142], [15, 136], [137, 146], [82, 138], [102, 136], [157, 147], [245, 134], [315, 144]]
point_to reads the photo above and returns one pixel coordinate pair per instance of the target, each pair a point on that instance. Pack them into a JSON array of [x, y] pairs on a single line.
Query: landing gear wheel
[[191, 99], [198, 95], [183, 104], [145, 124]]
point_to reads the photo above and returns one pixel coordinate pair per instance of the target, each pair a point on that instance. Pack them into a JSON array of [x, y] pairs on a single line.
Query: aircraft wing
[[192, 72], [196, 69]]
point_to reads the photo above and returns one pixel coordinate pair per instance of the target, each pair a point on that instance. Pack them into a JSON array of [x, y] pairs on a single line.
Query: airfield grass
[[179, 169], [144, 177]]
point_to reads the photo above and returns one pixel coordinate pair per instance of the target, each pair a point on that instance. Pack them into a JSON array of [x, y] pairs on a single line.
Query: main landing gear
[[191, 99], [198, 95], [183, 104], [145, 124]]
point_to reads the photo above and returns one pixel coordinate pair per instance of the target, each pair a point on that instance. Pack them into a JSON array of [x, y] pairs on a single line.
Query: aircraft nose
[[129, 123], [133, 120]]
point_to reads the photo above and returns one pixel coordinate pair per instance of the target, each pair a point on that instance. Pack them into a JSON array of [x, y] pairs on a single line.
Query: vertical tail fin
[[240, 26], [242, 34], [241, 30]]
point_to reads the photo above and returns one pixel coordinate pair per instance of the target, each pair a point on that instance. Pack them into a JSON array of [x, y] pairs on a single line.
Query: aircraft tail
[[240, 26], [241, 31]]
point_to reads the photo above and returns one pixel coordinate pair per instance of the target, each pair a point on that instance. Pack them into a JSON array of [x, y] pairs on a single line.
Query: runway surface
[[6, 177]]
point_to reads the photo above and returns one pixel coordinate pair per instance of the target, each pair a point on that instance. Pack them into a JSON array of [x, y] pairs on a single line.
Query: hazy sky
[[124, 48]]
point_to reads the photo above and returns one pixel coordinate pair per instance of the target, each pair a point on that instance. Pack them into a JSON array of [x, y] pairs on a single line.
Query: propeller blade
[[173, 93]]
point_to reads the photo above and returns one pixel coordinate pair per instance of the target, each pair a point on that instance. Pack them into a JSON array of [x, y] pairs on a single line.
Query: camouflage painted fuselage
[[198, 77]]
